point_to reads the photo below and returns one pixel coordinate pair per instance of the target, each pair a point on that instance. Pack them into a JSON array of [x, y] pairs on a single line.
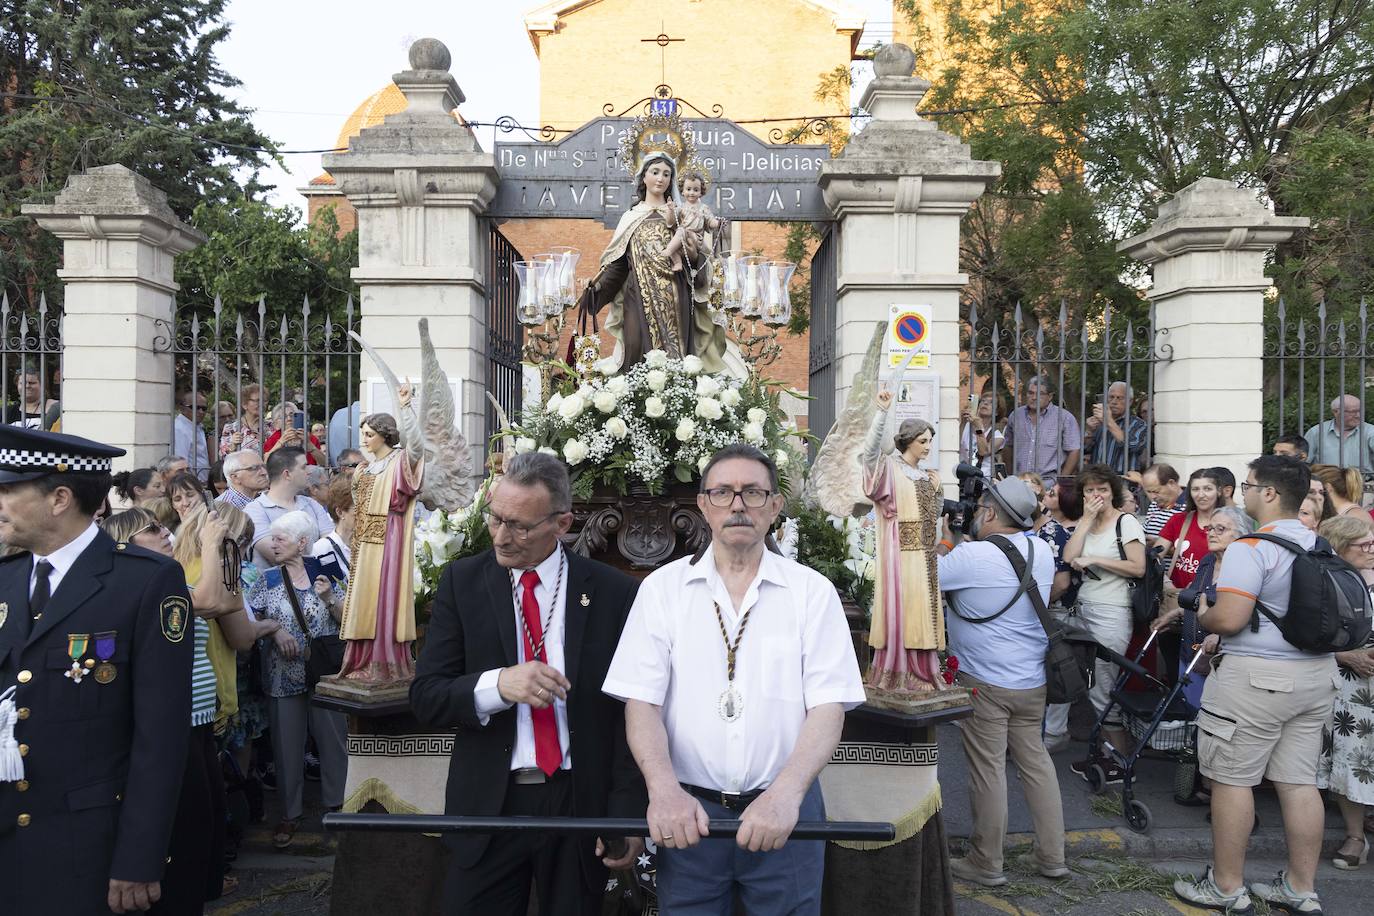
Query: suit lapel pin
[[586, 602]]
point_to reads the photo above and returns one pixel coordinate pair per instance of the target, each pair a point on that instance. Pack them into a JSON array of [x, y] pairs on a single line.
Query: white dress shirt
[[795, 654], [487, 697], [62, 559], [190, 443]]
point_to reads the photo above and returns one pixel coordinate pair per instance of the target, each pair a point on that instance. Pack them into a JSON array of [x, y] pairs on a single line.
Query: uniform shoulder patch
[[173, 615]]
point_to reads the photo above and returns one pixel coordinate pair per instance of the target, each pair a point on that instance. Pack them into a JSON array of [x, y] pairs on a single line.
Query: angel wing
[[836, 480], [432, 433], [507, 442]]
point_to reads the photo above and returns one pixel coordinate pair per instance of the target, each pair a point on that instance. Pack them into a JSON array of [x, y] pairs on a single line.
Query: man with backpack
[[1284, 602], [997, 587]]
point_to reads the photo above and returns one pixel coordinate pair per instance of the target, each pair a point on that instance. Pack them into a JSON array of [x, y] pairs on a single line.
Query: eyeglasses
[[520, 530], [1218, 529], [153, 528], [351, 465], [194, 407], [724, 497], [1366, 546], [1246, 486]]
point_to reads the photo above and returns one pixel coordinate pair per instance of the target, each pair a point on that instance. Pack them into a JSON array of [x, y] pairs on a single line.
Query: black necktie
[[42, 589]]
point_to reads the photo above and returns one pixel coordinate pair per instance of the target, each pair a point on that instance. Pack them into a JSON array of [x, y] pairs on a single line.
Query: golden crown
[[662, 133]]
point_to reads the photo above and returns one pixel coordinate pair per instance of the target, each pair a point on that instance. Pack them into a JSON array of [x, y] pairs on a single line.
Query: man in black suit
[[95, 681], [518, 645]]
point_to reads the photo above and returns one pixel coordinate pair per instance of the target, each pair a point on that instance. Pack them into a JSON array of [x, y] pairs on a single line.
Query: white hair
[[297, 526], [233, 462], [1336, 401]]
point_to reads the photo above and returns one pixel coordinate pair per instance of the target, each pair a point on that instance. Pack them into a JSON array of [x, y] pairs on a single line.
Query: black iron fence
[[821, 364], [1310, 362], [30, 364], [1079, 357], [305, 365], [505, 334]]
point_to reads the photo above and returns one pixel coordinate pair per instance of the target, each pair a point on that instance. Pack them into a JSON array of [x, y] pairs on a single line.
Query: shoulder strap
[[1018, 565], [339, 551], [1182, 536], [1288, 545], [1022, 565], [295, 602], [1120, 548]]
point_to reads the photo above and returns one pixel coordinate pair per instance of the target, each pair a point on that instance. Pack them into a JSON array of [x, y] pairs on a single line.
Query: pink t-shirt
[[1189, 558]]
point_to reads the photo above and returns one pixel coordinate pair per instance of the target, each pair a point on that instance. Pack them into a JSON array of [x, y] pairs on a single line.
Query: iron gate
[[30, 348], [505, 334], [824, 319]]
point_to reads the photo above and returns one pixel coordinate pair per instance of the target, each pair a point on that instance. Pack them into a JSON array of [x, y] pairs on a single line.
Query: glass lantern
[[531, 279], [777, 296], [729, 281], [548, 285], [751, 277], [566, 258]]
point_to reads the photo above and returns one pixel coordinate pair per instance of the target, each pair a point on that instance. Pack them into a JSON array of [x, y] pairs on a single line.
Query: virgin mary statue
[[655, 276]]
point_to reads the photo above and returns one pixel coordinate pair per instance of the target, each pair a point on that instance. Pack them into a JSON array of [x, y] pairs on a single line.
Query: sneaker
[[1203, 892], [1056, 743], [1110, 770], [963, 868], [1279, 894], [1028, 862]]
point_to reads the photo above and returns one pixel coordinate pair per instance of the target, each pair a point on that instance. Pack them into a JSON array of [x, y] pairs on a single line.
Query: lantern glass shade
[[531, 278], [777, 297], [565, 259], [751, 279], [730, 281]]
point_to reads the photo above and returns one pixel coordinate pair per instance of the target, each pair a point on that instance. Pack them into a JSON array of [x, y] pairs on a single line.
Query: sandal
[[1369, 823], [285, 832], [1348, 860]]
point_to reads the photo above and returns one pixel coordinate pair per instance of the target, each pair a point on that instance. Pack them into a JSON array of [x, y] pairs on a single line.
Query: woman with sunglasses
[[1348, 740]]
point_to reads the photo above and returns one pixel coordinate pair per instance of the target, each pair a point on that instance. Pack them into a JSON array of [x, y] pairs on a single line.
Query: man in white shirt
[[737, 669], [287, 482], [189, 440]]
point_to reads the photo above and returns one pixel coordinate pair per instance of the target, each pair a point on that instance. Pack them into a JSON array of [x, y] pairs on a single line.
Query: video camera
[[971, 486]]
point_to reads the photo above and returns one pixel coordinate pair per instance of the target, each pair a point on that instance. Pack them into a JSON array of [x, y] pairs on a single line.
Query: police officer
[[95, 667]]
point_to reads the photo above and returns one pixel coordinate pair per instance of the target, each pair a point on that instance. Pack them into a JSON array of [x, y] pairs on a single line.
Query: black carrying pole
[[593, 826]]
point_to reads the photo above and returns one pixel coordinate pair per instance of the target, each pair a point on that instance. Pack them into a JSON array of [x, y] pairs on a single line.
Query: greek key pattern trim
[[873, 754], [400, 745]]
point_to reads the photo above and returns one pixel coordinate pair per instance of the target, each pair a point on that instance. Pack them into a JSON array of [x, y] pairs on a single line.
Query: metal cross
[[662, 40]]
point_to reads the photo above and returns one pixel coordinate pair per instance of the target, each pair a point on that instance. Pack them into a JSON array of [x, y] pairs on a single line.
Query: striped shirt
[[202, 679]]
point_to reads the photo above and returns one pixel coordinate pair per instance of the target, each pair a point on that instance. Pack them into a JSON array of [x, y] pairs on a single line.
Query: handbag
[[1147, 590], [584, 348], [1064, 678], [323, 654]]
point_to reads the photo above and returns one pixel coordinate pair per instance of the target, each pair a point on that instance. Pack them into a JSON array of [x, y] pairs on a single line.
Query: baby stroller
[[1159, 717]]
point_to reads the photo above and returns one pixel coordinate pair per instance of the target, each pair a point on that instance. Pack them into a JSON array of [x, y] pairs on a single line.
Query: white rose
[[753, 432], [524, 444], [546, 450], [605, 401], [730, 397], [616, 428], [571, 408], [686, 429], [692, 364], [553, 403], [656, 359], [574, 451], [780, 458], [653, 407], [709, 409], [619, 386], [702, 462], [758, 415], [707, 386], [656, 379]]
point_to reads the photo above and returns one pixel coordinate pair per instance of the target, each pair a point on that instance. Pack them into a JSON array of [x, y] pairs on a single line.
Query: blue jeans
[[702, 881]]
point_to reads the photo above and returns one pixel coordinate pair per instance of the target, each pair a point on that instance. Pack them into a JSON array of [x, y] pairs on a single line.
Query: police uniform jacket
[[103, 762]]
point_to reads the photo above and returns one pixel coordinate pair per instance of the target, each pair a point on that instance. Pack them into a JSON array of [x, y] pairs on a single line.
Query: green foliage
[[825, 548], [98, 82]]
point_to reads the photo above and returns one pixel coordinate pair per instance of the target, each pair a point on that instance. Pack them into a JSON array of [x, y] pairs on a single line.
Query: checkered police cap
[[28, 454]]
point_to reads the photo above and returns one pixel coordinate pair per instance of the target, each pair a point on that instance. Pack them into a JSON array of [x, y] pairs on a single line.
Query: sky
[[306, 65]]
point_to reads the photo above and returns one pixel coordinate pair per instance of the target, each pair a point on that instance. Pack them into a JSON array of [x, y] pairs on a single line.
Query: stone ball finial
[[429, 54], [893, 60]]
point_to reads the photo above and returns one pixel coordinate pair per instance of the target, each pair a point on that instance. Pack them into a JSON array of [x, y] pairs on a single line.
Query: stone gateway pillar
[[1207, 250], [898, 192], [420, 184], [119, 244]]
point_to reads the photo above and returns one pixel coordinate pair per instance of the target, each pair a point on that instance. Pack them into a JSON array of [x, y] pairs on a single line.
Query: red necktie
[[547, 753]]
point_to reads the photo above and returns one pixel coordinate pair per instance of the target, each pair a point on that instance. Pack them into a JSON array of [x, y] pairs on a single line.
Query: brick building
[[598, 52]]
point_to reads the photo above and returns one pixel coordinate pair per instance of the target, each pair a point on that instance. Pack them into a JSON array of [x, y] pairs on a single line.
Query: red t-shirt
[[272, 442], [1188, 558]]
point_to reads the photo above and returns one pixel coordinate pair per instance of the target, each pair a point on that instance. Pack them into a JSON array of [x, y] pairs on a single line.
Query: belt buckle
[[730, 800]]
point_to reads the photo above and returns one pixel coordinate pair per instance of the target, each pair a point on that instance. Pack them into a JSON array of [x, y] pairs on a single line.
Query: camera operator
[[996, 634]]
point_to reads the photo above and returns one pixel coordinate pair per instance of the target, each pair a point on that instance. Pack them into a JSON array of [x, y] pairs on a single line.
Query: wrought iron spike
[[973, 312], [4, 303], [1363, 310], [1016, 314], [1063, 311], [1302, 333], [219, 305], [1283, 309], [238, 329], [1321, 311], [348, 310], [262, 310], [1340, 333], [42, 305], [195, 325], [285, 330], [305, 306], [328, 327]]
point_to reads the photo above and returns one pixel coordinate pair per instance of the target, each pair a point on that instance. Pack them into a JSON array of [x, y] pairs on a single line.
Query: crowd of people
[[1298, 720]]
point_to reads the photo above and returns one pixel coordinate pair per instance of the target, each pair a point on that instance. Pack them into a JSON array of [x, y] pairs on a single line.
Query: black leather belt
[[533, 776], [730, 801]]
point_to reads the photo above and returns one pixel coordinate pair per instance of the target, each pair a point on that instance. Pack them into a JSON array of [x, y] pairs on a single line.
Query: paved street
[[1115, 871]]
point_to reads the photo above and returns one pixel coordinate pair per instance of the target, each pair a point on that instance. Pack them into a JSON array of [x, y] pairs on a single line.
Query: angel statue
[[416, 455], [907, 630], [655, 273]]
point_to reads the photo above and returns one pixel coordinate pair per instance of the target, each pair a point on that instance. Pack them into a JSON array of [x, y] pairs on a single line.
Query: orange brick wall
[[344, 213]]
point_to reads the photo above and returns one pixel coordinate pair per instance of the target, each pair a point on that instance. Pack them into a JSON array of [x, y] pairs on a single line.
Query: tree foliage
[[85, 83], [1099, 110]]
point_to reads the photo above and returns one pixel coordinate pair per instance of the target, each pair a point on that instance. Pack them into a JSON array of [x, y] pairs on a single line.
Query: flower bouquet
[[442, 538], [661, 420]]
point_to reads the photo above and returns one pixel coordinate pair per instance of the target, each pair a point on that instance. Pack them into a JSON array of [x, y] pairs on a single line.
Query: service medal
[[76, 647], [105, 649]]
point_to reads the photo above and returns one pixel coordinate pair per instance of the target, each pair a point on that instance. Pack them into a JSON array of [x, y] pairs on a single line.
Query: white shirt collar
[[770, 568], [547, 569], [63, 557]]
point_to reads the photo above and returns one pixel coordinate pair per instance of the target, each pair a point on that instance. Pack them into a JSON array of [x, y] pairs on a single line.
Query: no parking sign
[[908, 329]]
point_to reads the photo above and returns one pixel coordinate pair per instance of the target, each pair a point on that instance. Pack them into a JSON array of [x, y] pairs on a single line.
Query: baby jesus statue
[[693, 215]]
